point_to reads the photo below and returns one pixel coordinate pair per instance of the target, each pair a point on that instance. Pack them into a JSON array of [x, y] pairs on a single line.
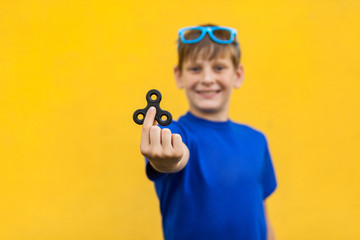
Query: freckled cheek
[[191, 85], [222, 85], [225, 84]]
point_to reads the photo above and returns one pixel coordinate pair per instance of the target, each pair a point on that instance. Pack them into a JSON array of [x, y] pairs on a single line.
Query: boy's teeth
[[207, 91]]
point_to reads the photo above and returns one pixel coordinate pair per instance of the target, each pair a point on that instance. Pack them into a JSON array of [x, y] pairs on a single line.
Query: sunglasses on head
[[219, 34]]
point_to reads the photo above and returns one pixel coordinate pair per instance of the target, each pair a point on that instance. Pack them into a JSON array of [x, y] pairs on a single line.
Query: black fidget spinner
[[164, 118]]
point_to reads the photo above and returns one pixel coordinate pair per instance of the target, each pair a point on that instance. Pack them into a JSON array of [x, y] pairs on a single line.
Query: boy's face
[[208, 85]]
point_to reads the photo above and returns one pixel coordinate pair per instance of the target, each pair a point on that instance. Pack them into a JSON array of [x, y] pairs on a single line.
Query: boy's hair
[[207, 48]]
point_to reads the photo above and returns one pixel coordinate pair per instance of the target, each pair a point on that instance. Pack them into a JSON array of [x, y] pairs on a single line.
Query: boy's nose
[[207, 78]]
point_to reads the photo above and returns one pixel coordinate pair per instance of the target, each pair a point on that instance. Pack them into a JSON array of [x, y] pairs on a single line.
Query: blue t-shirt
[[220, 192]]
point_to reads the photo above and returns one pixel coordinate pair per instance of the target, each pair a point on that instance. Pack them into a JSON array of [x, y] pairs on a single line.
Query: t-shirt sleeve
[[269, 182], [151, 173]]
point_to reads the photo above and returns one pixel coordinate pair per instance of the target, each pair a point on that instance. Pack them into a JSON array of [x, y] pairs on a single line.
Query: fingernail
[[152, 109]]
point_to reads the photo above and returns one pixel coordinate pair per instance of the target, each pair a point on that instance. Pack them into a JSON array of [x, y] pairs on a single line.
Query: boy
[[211, 175]]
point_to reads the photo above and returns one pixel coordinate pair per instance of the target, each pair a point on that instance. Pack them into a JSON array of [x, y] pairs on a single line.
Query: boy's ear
[[177, 75], [239, 76]]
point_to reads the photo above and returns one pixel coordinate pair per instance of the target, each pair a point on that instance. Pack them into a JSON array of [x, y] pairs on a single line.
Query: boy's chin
[[210, 113], [208, 109]]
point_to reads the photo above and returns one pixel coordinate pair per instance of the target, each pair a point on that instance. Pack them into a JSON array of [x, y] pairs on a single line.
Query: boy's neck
[[211, 116]]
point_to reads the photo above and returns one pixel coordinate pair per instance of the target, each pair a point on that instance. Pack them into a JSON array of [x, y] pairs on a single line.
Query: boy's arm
[[270, 229], [166, 151]]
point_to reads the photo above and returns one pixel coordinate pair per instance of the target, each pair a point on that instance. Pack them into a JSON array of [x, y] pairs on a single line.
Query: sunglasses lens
[[222, 34], [192, 34]]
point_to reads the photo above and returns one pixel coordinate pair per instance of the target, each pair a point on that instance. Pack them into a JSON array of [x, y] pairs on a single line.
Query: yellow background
[[73, 72]]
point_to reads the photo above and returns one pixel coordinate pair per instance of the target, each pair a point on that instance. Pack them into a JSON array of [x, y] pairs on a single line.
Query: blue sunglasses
[[219, 34]]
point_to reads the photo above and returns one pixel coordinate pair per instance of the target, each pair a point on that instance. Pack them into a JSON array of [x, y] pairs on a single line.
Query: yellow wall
[[73, 72]]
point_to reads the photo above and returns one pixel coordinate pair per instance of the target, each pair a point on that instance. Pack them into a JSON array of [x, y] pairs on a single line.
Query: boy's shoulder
[[248, 130], [247, 127]]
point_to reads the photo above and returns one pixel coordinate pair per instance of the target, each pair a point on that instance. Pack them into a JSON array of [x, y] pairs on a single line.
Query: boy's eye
[[219, 68], [194, 69]]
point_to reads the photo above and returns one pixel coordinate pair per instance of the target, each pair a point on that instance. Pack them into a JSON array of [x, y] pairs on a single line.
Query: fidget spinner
[[153, 98]]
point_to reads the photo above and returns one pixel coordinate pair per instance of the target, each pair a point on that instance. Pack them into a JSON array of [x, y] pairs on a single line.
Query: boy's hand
[[165, 151]]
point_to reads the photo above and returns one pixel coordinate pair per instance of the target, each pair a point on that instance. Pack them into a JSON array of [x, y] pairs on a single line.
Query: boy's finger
[[166, 139], [147, 124], [155, 137], [177, 142]]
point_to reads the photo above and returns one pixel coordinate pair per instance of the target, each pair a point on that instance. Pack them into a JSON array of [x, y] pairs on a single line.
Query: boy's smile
[[208, 85]]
